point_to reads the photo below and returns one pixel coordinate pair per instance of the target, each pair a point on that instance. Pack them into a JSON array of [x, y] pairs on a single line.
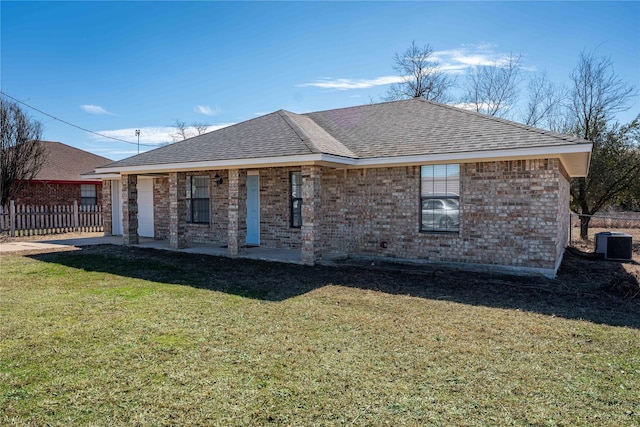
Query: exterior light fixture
[[218, 179]]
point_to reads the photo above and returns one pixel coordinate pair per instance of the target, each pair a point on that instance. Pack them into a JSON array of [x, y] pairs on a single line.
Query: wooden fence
[[40, 220]]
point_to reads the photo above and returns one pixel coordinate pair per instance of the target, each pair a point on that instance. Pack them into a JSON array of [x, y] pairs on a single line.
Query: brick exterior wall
[[161, 208], [512, 213], [107, 215], [130, 209], [311, 232], [52, 194], [564, 215], [237, 211], [216, 230], [275, 209]]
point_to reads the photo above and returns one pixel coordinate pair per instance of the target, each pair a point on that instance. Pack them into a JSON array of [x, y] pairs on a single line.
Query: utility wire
[[75, 126]]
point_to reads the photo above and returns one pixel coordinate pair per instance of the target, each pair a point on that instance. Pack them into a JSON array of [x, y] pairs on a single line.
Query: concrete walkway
[[41, 246]]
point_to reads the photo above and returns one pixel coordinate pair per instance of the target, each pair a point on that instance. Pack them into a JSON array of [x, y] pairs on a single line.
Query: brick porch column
[[130, 209], [177, 210], [237, 231], [311, 214], [107, 214]]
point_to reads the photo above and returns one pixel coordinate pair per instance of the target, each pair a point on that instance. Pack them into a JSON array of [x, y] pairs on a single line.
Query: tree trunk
[[584, 226]]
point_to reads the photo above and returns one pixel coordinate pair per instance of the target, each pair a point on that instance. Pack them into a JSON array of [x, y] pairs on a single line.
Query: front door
[[253, 210], [116, 208], [145, 207]]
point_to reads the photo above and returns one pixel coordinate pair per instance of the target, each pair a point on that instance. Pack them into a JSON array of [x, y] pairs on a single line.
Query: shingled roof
[[363, 135], [66, 163]]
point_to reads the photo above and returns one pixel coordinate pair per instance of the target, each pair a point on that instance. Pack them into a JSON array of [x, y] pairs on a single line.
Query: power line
[[75, 126]]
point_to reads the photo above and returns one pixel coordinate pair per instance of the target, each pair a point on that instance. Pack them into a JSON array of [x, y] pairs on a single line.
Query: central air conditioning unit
[[615, 246]]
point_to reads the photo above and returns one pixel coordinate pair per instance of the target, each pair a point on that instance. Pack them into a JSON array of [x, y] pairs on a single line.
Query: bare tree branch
[[493, 89], [21, 152], [597, 94], [545, 104], [200, 127], [184, 131], [422, 77]]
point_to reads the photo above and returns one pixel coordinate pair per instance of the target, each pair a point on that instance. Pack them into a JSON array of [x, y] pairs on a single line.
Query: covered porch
[[248, 213]]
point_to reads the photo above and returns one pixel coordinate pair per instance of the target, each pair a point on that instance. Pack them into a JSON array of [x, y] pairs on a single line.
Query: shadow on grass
[[583, 289]]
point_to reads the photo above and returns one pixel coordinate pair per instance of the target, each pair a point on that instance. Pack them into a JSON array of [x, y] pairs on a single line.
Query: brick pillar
[[130, 209], [177, 210], [311, 214], [237, 231], [107, 214]]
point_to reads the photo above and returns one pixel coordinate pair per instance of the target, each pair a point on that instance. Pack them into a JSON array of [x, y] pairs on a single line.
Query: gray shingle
[[400, 128], [417, 126]]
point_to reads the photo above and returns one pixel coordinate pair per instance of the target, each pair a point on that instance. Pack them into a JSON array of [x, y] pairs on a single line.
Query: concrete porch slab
[[258, 253]]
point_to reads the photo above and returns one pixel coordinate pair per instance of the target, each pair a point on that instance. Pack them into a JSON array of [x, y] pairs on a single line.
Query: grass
[[134, 337]]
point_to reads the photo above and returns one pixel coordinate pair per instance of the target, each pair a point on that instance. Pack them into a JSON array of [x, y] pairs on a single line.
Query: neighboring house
[[407, 179], [60, 180]]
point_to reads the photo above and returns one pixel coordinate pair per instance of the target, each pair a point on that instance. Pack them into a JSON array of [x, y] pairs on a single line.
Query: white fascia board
[[96, 175], [561, 152], [564, 153], [230, 164], [477, 155]]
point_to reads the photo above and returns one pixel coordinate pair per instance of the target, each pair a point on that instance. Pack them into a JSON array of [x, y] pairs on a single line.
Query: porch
[[257, 253]]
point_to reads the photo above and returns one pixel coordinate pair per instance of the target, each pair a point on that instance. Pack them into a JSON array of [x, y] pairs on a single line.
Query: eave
[[574, 157]]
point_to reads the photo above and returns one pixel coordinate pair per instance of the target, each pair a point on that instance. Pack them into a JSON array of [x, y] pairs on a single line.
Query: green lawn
[[119, 336]]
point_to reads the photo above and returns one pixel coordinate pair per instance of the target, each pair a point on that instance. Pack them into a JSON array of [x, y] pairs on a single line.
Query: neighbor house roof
[[66, 163], [412, 131]]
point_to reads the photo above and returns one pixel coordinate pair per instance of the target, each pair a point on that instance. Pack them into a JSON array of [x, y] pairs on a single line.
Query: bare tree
[[545, 105], [200, 127], [493, 89], [597, 94], [421, 76], [181, 130], [184, 131], [21, 152]]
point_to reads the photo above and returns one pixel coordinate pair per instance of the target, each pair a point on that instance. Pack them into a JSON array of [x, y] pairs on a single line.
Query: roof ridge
[[286, 116], [308, 139]]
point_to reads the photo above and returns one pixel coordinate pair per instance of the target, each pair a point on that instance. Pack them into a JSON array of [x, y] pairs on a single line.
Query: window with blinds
[[440, 198]]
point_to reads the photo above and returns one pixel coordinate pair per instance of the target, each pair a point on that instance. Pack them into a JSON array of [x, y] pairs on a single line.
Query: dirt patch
[[581, 272]]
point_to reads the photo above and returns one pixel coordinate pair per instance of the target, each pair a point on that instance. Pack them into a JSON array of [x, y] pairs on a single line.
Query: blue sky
[[113, 67]]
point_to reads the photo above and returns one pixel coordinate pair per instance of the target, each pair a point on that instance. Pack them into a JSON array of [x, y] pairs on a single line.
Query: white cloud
[[94, 109], [150, 135], [452, 61], [346, 84], [458, 60], [207, 110], [483, 106]]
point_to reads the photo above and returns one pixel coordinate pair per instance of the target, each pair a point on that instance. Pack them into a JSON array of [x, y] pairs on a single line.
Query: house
[[408, 179], [60, 180]]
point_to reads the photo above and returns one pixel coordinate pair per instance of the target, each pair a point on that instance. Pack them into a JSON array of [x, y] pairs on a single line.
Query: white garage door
[[145, 207]]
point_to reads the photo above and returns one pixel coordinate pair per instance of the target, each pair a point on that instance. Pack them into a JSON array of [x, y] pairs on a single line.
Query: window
[[88, 195], [440, 198], [296, 199], [198, 199]]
